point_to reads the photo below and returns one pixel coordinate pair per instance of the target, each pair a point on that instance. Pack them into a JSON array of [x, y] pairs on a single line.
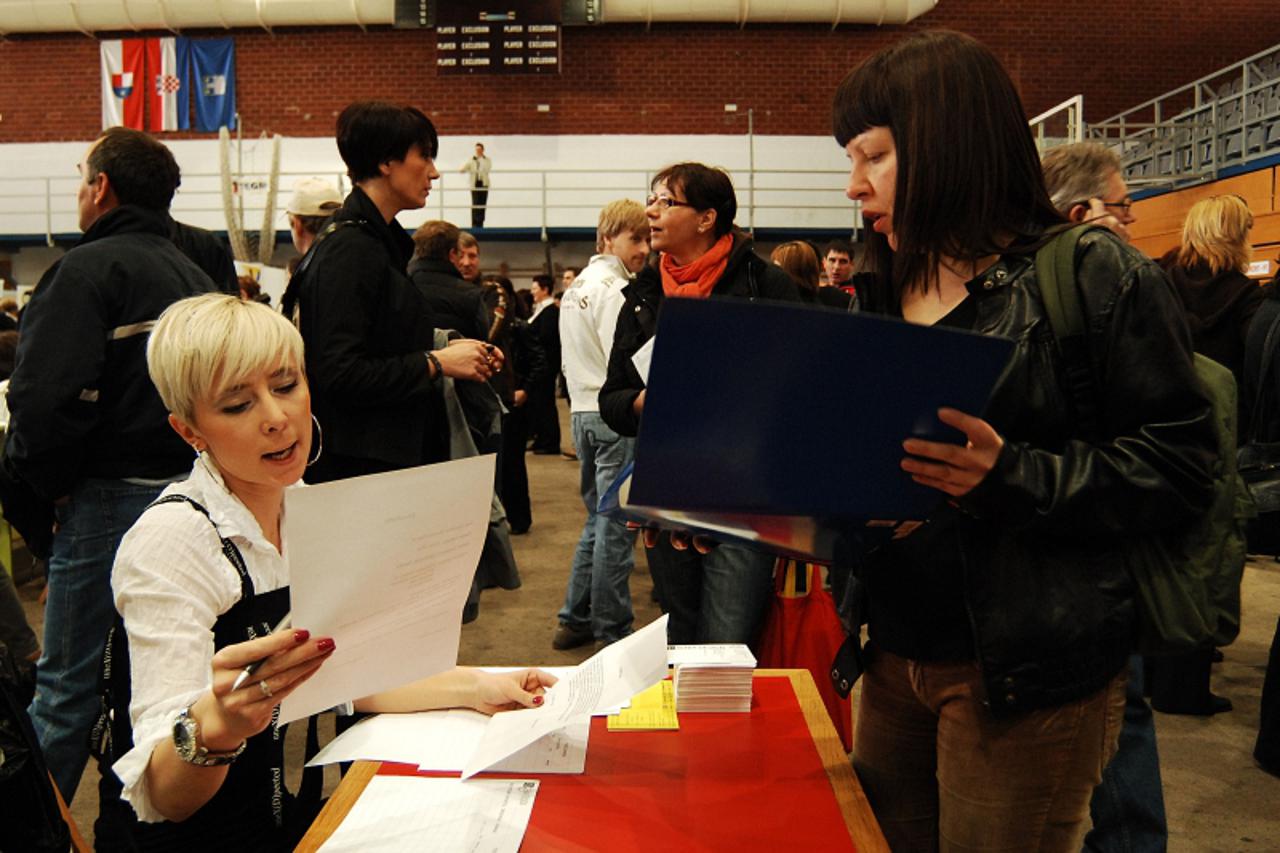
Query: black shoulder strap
[[229, 549], [1056, 276], [290, 299], [113, 725]]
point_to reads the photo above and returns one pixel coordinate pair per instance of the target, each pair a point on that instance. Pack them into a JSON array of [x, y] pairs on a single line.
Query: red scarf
[[696, 280]]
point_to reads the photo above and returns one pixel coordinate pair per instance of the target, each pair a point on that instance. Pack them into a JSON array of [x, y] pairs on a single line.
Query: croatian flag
[[213, 81], [123, 83], [168, 95]]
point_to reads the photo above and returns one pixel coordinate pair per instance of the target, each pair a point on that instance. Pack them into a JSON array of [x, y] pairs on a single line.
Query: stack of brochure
[[714, 677]]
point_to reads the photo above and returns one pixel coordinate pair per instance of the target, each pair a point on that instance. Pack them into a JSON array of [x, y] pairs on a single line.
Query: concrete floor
[[1216, 797]]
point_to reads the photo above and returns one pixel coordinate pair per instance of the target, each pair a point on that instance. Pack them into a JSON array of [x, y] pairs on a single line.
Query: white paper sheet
[[703, 654], [445, 740], [383, 565], [400, 813], [611, 676], [642, 358]]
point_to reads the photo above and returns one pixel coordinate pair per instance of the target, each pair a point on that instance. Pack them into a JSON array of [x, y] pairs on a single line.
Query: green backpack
[[1187, 580]]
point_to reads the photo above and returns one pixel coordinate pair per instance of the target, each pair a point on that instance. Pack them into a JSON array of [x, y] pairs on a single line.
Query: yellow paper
[[653, 709]]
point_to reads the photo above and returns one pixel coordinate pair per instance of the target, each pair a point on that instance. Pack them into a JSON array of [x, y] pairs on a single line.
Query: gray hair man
[[1085, 185]]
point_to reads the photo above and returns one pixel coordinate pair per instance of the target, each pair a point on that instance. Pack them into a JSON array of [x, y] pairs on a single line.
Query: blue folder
[[783, 424]]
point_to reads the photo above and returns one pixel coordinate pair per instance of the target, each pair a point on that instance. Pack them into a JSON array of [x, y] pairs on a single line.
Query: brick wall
[[672, 79]]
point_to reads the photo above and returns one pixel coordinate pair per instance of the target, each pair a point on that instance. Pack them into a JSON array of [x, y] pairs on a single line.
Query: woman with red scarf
[[720, 596]]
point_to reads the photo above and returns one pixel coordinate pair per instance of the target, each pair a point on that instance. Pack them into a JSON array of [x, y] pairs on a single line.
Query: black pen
[[249, 670]]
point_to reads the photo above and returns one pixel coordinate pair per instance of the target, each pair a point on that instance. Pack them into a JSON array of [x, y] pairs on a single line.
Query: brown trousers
[[942, 773]]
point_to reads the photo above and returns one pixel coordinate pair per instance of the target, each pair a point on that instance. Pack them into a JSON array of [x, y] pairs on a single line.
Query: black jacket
[[452, 301], [1219, 309], [747, 276], [208, 252], [546, 327], [366, 332], [81, 400], [1042, 542]]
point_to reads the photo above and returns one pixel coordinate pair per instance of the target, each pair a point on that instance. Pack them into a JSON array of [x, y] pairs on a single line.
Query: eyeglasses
[[665, 202], [1119, 205]]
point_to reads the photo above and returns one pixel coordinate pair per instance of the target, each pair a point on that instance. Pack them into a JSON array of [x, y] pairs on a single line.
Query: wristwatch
[[186, 742]]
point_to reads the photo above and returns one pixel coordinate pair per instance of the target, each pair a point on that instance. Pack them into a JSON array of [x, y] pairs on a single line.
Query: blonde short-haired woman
[[200, 579]]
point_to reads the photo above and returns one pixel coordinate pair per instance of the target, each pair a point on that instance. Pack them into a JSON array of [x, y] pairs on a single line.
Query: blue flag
[[182, 56], [213, 83]]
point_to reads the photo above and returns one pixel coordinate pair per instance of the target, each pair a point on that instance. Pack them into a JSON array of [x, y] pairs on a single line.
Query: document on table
[[399, 813], [651, 710], [383, 564], [445, 740], [607, 679]]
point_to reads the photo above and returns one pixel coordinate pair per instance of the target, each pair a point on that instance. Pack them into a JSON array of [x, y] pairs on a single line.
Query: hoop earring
[[318, 444]]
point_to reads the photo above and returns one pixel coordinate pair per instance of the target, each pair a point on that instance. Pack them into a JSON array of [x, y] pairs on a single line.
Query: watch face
[[184, 736]]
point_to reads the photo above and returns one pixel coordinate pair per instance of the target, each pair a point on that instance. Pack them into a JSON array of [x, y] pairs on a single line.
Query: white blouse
[[171, 582]]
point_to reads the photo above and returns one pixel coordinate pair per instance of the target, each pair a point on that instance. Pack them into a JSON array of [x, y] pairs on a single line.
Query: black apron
[[253, 810]]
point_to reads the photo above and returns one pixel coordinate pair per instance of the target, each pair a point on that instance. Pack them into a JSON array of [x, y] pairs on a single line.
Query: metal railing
[[1189, 134], [1059, 125], [542, 201]]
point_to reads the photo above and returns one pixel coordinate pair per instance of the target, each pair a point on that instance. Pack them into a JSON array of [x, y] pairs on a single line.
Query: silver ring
[[266, 691]]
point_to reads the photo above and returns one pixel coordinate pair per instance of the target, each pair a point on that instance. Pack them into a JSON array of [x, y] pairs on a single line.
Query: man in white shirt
[[597, 603], [478, 168]]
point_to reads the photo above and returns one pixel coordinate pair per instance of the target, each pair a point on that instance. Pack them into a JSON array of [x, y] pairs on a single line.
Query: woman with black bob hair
[[999, 629], [369, 343], [718, 597]]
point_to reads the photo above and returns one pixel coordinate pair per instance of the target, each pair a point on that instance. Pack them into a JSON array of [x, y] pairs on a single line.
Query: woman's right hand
[[228, 717], [475, 361]]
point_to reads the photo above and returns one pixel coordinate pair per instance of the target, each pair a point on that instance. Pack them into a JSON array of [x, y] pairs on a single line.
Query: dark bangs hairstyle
[[371, 133], [704, 187], [969, 182]]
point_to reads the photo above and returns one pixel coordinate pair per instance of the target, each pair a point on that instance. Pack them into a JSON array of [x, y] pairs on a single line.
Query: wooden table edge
[[864, 830], [861, 824]]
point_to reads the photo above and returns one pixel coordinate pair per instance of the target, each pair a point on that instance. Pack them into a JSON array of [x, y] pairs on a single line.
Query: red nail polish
[[301, 635], [537, 700], [325, 645]]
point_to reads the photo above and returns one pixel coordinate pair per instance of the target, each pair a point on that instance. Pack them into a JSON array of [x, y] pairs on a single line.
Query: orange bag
[[802, 631]]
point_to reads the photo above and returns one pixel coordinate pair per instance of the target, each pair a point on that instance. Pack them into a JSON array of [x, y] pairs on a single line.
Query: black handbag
[[1259, 461]]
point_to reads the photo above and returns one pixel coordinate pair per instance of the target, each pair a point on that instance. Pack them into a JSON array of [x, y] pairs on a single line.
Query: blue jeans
[[77, 616], [720, 597], [599, 592], [1128, 807]]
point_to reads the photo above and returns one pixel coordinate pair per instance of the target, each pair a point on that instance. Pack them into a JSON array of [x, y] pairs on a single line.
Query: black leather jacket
[[1048, 596]]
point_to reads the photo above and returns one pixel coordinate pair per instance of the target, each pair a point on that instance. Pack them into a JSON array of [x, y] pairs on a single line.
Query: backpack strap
[[1056, 276]]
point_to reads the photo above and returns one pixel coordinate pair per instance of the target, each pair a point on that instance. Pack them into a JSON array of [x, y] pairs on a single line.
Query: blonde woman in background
[[1208, 271], [1219, 301]]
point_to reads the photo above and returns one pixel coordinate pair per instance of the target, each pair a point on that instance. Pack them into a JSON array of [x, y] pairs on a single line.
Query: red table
[[775, 778]]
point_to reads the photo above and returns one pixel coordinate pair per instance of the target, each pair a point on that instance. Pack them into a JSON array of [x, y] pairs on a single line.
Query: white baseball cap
[[314, 197]]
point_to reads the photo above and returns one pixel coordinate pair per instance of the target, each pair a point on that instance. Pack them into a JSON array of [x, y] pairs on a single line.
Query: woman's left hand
[[506, 691], [954, 468]]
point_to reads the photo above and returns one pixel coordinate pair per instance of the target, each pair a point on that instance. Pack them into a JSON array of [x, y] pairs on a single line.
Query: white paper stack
[[713, 677]]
